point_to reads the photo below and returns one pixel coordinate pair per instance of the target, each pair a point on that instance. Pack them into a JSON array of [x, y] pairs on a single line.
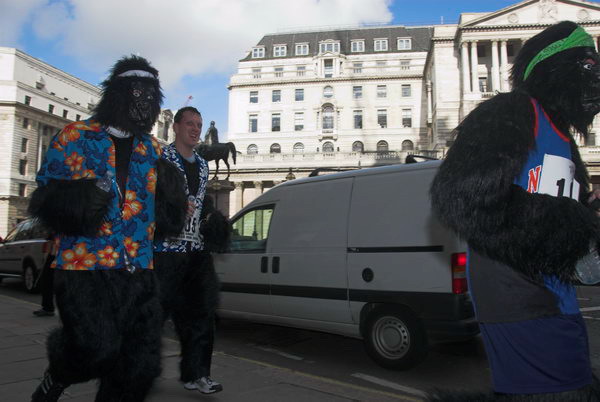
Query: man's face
[[142, 101], [188, 129]]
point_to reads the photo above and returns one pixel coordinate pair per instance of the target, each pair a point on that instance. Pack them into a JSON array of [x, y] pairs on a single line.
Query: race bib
[[558, 177], [191, 231]]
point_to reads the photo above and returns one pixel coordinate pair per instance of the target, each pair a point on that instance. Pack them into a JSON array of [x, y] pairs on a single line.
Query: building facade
[[36, 101], [346, 99]]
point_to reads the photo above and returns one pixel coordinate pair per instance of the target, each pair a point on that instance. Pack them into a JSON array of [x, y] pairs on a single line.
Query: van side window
[[251, 230]]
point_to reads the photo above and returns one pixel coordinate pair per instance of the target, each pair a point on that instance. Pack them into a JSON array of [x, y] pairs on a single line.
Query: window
[[301, 49], [22, 189], [300, 71], [252, 149], [258, 52], [23, 167], [358, 46], [299, 121], [358, 146], [251, 231], [357, 68], [404, 64], [382, 146], [381, 91], [328, 92], [279, 51], [275, 149], [406, 90], [357, 92], [483, 84], [77, 117], [404, 44], [407, 145], [382, 118], [278, 71], [328, 146], [276, 95], [256, 73], [253, 96], [406, 118], [24, 144], [26, 123], [328, 117], [50, 108], [27, 100], [299, 95], [276, 122], [298, 148], [481, 51], [381, 45], [333, 47], [358, 119], [65, 113], [328, 68], [253, 123]]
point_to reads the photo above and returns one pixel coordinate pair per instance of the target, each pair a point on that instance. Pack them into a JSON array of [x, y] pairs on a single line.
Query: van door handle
[[264, 265], [275, 265]]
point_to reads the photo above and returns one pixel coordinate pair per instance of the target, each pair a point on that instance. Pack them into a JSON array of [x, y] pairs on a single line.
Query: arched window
[[407, 145], [328, 92], [358, 146], [327, 146], [252, 149], [298, 148], [382, 146], [327, 117], [275, 149]]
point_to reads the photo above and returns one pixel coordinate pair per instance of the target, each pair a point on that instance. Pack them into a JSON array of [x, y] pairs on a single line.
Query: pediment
[[534, 12]]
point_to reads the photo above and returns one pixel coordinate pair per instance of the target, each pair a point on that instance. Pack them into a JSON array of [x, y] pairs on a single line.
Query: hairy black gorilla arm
[[171, 201]]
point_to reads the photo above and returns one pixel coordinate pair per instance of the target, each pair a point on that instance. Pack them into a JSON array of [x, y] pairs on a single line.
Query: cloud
[[12, 18], [185, 38]]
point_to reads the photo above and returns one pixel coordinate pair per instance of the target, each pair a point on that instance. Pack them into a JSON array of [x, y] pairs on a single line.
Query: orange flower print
[[68, 134], [131, 246], [78, 258], [80, 125], [150, 229], [131, 206], [141, 149], [151, 265], [108, 256], [156, 146], [105, 229], [86, 174], [151, 179], [111, 156], [74, 161]]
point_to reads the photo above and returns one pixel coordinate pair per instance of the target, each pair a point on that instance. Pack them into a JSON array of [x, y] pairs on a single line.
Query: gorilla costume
[[96, 190], [514, 187]]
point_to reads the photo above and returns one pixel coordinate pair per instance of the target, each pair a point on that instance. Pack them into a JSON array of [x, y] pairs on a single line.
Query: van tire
[[30, 278], [395, 338]]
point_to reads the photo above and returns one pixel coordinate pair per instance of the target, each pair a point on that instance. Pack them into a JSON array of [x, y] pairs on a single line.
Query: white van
[[356, 253]]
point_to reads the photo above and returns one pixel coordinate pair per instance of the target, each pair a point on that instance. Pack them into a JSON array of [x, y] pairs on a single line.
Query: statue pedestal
[[219, 191]]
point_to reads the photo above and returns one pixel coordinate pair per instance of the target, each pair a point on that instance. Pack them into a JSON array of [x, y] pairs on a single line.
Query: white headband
[[137, 73]]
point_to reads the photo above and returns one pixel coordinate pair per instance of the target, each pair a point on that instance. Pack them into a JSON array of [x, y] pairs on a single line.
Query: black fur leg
[[171, 201], [70, 207]]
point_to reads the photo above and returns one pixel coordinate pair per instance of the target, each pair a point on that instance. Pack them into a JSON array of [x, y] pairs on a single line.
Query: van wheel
[[395, 338], [30, 278]]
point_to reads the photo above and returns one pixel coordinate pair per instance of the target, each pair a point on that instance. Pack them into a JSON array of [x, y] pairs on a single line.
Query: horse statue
[[213, 150]]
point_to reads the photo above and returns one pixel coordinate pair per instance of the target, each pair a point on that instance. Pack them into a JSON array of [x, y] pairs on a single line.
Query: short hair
[[180, 112]]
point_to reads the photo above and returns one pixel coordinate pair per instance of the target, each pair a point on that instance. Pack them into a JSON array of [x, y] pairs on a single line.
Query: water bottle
[[587, 269], [105, 182]]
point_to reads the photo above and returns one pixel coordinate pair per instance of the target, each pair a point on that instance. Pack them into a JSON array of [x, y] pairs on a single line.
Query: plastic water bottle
[[105, 182], [587, 269]]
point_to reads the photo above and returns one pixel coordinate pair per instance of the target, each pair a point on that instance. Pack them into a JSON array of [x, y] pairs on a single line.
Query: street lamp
[[290, 176]]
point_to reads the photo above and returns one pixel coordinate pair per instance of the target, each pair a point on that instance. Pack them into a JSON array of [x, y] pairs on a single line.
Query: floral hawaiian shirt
[[190, 238], [85, 150]]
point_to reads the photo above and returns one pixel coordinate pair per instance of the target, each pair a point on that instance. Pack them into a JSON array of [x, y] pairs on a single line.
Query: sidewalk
[[23, 360]]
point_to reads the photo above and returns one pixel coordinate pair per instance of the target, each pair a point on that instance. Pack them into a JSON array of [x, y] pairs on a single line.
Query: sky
[[195, 44]]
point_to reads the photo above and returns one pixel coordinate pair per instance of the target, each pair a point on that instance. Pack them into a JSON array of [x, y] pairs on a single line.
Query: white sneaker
[[206, 385]]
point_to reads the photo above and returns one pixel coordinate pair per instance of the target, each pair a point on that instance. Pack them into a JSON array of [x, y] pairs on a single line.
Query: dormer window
[[358, 46], [301, 49], [404, 44], [258, 52], [380, 45], [279, 51], [329, 46]]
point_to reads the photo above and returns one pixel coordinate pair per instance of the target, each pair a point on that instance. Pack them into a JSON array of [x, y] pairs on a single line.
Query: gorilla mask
[[131, 97]]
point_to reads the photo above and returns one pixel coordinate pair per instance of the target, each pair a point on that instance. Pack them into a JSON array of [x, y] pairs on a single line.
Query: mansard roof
[[421, 39]]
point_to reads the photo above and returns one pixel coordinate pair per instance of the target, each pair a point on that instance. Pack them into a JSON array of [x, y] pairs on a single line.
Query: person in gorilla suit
[[514, 187], [96, 191]]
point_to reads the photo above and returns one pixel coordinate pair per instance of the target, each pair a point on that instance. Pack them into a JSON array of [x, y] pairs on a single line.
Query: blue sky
[[195, 44]]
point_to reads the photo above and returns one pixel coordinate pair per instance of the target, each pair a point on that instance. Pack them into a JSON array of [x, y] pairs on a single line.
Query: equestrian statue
[[213, 150]]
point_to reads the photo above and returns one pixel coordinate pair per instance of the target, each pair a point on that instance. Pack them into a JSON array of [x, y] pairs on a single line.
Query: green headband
[[578, 38]]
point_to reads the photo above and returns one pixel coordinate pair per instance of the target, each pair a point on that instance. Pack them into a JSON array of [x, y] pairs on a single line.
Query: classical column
[[596, 42], [464, 66], [474, 67], [429, 102], [236, 198], [503, 66], [495, 67]]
